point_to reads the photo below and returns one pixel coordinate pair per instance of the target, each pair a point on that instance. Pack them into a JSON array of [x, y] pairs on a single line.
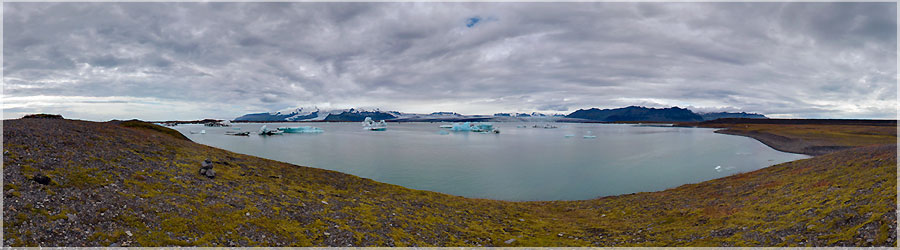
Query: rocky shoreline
[[785, 144]]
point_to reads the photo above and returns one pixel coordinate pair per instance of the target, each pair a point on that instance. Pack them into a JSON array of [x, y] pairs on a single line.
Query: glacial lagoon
[[519, 164]]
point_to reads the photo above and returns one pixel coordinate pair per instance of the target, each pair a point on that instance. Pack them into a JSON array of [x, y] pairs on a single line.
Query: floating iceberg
[[301, 129], [245, 133], [265, 131], [727, 168], [370, 124], [474, 127]]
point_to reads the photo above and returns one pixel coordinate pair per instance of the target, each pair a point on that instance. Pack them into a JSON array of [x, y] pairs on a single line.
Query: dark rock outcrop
[[45, 116]]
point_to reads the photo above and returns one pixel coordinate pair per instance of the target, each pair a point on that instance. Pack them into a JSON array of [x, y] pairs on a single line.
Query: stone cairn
[[206, 169]]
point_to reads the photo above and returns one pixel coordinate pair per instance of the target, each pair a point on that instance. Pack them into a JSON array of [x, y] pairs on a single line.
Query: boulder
[[208, 172], [207, 164], [42, 179]]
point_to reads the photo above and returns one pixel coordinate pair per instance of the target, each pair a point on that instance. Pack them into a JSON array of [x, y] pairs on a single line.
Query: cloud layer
[[194, 60]]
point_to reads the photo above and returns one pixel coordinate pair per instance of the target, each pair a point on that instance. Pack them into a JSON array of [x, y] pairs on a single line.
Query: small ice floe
[[569, 136], [726, 168], [443, 132], [589, 135]]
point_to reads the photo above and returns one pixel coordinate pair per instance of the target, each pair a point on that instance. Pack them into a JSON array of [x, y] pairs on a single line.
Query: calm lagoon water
[[517, 164]]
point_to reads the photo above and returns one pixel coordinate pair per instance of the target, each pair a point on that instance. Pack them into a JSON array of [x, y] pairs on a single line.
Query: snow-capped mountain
[[316, 114], [357, 114]]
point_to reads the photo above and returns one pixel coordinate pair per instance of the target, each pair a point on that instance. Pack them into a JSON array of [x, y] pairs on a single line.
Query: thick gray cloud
[[193, 60]]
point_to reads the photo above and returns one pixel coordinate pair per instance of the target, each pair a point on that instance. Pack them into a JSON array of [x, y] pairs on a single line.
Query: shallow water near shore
[[519, 164]]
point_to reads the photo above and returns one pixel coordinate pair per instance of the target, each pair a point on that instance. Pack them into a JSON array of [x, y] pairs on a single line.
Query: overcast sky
[[163, 61]]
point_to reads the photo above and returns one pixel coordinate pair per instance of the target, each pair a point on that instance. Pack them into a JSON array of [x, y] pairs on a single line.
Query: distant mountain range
[[717, 115], [315, 114], [631, 113]]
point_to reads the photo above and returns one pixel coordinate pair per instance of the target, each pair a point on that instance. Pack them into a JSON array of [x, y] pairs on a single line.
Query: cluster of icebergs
[[482, 127]]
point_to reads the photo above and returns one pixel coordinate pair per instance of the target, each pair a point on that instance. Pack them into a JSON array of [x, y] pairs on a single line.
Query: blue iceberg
[[301, 129], [474, 127]]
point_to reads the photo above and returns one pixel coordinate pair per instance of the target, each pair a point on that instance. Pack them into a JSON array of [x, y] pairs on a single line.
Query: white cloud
[[196, 60]]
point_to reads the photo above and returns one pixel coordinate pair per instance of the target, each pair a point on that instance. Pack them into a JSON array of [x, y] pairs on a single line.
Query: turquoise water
[[517, 164]]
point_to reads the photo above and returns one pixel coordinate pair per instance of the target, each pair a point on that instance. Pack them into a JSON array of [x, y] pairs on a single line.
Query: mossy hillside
[[144, 190], [154, 127]]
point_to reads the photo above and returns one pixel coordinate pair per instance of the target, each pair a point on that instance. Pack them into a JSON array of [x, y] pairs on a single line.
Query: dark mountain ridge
[[636, 114], [717, 115]]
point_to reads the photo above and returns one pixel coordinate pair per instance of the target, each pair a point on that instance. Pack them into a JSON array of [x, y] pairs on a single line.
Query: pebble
[[510, 241], [325, 202], [521, 219], [560, 234], [71, 217], [128, 233], [327, 234]]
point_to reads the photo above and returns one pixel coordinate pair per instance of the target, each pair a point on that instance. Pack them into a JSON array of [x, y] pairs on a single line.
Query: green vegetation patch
[[153, 127]]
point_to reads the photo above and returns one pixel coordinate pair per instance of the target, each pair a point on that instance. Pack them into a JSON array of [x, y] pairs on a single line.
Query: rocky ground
[[77, 183], [812, 138]]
